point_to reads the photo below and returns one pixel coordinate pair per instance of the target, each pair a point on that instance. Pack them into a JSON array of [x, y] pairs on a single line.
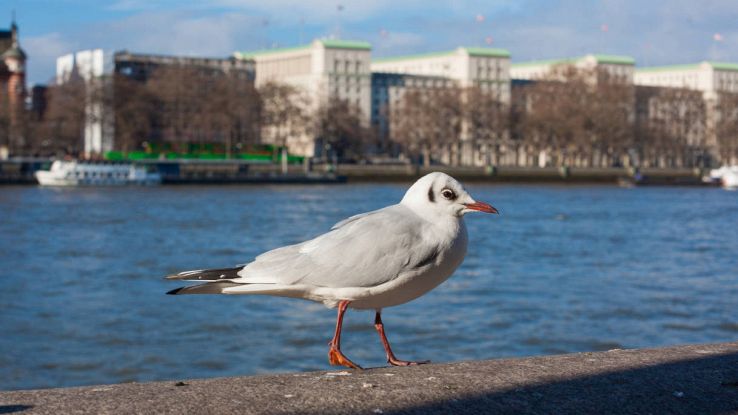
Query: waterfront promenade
[[695, 379]]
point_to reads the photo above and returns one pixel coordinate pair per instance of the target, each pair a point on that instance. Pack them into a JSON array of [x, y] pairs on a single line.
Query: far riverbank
[[21, 172]]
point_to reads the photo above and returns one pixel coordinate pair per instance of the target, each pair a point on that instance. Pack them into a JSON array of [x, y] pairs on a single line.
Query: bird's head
[[440, 194]]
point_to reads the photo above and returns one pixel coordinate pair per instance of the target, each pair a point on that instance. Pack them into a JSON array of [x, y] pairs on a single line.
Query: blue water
[[562, 269]]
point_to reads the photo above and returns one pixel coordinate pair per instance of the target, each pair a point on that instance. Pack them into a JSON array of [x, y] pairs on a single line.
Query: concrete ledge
[[698, 379]]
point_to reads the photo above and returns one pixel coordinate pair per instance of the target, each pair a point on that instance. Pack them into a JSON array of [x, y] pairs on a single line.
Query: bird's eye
[[448, 194]]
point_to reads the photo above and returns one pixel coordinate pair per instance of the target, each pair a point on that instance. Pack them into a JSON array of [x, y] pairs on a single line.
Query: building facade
[[710, 78], [484, 68], [12, 87], [621, 67], [140, 66], [322, 70], [488, 68], [96, 68]]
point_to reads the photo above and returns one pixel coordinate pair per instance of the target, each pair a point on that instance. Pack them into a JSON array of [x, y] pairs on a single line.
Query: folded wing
[[362, 251]]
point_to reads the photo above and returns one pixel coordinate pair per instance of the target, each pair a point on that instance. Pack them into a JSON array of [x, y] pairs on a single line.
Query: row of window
[[347, 66], [96, 175]]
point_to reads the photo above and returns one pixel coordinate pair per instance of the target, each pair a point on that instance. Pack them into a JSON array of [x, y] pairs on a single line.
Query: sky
[[653, 32]]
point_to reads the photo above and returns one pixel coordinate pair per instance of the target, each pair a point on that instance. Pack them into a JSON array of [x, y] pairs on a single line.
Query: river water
[[562, 269]]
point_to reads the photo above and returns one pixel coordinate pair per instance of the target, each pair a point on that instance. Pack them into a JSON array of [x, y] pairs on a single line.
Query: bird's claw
[[336, 358], [398, 362]]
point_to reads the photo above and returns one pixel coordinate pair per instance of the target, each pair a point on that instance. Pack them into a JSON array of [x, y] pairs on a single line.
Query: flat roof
[[327, 43], [472, 51], [600, 58], [721, 66]]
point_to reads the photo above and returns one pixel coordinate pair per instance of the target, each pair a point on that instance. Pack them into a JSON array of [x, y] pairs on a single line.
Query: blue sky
[[653, 32]]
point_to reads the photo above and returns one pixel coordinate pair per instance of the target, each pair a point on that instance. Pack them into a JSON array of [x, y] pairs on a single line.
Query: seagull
[[369, 261]]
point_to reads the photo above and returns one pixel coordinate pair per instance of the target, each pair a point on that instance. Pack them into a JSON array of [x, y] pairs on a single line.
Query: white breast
[[412, 284]]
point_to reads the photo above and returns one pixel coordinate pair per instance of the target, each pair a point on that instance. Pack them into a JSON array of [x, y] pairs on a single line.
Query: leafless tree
[[578, 117], [65, 116], [671, 128], [428, 122], [283, 115], [488, 119], [234, 107], [726, 128], [135, 112], [339, 125]]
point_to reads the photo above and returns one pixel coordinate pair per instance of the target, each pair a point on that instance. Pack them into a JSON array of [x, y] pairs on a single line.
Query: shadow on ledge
[[698, 386], [11, 409]]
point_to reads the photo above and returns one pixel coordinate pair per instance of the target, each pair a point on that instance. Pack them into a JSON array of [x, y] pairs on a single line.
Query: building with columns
[[324, 69]]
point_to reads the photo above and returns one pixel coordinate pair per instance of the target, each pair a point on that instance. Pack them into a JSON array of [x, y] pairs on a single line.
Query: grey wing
[[361, 252], [353, 218]]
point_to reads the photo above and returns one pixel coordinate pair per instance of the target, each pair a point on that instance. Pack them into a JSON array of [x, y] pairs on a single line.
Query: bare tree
[[178, 94], [580, 117], [339, 125], [65, 116], [283, 115], [726, 128], [428, 121], [488, 122], [234, 104], [135, 111], [557, 116], [671, 130]]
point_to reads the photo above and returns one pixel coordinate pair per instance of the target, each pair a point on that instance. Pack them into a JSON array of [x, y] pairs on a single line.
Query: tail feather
[[216, 287], [207, 274]]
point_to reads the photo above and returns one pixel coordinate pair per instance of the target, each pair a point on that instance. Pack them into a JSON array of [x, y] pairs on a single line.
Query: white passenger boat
[[726, 175], [84, 173]]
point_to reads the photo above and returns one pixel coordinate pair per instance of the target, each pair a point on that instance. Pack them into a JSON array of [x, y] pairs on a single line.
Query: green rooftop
[[614, 59], [328, 43], [605, 59], [346, 44], [724, 66], [495, 52], [720, 66], [253, 54], [543, 62], [492, 52]]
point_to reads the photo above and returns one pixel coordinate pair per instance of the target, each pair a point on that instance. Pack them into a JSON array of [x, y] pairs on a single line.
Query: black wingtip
[[175, 291]]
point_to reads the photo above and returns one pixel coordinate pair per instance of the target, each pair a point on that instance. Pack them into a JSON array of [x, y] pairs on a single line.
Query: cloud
[[42, 52], [650, 31], [387, 43]]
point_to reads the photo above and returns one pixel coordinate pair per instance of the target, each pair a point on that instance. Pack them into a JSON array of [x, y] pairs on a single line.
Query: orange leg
[[391, 359], [335, 357]]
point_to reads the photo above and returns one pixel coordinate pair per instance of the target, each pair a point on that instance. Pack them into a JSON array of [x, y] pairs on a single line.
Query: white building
[[488, 68], [463, 67], [620, 66], [90, 66], [323, 69], [708, 77]]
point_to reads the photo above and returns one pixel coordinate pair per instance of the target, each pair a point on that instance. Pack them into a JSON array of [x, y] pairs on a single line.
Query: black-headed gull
[[369, 261]]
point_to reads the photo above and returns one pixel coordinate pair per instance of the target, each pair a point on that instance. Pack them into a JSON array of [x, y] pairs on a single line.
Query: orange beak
[[482, 207]]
